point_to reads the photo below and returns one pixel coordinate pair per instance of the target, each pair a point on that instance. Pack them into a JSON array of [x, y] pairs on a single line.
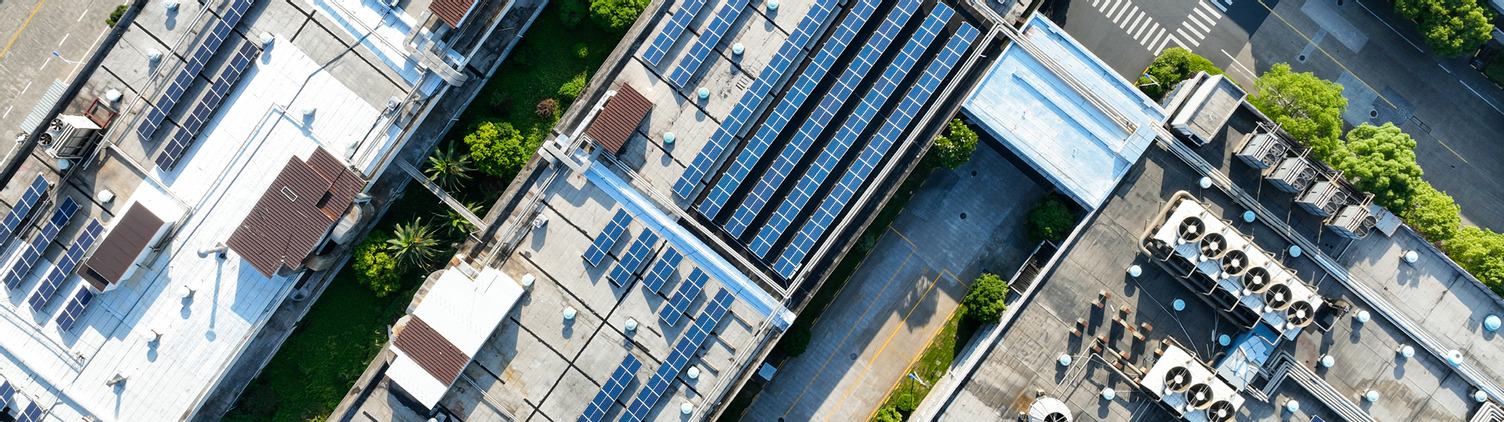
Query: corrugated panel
[[614, 125], [451, 11], [39, 111], [294, 213], [120, 248], [431, 350]]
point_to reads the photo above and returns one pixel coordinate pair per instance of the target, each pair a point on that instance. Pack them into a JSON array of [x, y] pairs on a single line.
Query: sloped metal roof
[[295, 212], [622, 114]]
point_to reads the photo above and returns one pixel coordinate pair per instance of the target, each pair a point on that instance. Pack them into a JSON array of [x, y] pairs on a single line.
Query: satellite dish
[[1213, 245], [1279, 296], [1199, 395], [1178, 379], [1301, 313], [1257, 279], [1191, 229], [1234, 263], [1219, 411]]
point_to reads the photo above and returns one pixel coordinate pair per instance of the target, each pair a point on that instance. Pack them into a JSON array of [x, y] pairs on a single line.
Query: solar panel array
[[54, 279], [191, 69], [75, 308], [611, 389], [683, 350], [663, 268], [31, 414], [604, 241], [706, 44], [786, 107], [632, 261], [752, 99], [818, 119], [7, 393], [847, 136], [912, 103], [23, 207], [194, 121], [688, 290], [659, 48], [33, 251]]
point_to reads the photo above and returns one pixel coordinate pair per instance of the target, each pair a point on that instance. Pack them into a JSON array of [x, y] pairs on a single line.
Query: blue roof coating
[[1052, 126]]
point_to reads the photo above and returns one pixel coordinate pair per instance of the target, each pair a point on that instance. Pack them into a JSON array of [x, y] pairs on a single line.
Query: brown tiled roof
[[295, 212], [451, 11], [431, 351], [119, 249], [623, 112]]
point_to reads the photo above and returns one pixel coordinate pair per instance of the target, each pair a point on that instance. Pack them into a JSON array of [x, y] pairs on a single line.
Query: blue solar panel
[[604, 241], [7, 393], [632, 261], [31, 252], [852, 180], [54, 278], [688, 290], [31, 414], [659, 48], [752, 99], [687, 346], [786, 108], [817, 120], [195, 64], [611, 389], [665, 267], [75, 308], [181, 140], [23, 207], [706, 44], [849, 134]]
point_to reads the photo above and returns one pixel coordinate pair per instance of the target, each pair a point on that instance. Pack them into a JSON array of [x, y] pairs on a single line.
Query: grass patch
[[935, 360]]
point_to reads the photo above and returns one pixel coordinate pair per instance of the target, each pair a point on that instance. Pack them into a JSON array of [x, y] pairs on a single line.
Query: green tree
[[1481, 252], [458, 225], [616, 15], [906, 403], [115, 15], [1382, 162], [571, 90], [796, 341], [1433, 214], [374, 267], [1050, 220], [887, 414], [1307, 107], [498, 149], [413, 245], [448, 168], [986, 300], [954, 148], [1175, 64], [1451, 27]]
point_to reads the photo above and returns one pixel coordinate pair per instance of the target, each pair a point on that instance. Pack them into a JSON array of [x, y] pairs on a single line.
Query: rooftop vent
[[1178, 379], [1262, 150], [1353, 222], [1234, 263], [1279, 297], [1292, 175], [1213, 245], [1219, 411], [1199, 395], [1324, 198], [1257, 280], [1191, 229], [1301, 313]]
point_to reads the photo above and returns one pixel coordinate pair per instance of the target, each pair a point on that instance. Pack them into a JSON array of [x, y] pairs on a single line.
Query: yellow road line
[[883, 348], [905, 238], [848, 334], [23, 27], [910, 366], [1328, 55]]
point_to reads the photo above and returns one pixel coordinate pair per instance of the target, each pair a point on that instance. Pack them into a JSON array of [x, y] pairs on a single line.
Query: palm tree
[[413, 244], [447, 168], [456, 224]]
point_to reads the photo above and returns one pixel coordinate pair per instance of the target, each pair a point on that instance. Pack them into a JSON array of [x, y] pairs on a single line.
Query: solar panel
[[75, 308], [706, 44], [665, 267], [23, 206], [31, 414], [31, 252], [685, 295], [818, 119], [216, 35], [632, 261], [752, 99], [607, 238], [659, 48], [181, 140], [853, 178], [848, 135], [54, 278], [685, 348], [786, 108], [7, 393], [611, 389]]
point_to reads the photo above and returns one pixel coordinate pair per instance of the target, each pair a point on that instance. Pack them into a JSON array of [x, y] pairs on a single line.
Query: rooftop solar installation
[[705, 46], [31, 414], [632, 261], [688, 290], [648, 397], [7, 393], [665, 39], [178, 144], [54, 278], [604, 241], [611, 389], [786, 107], [818, 119], [75, 308], [847, 136], [33, 251], [180, 82], [913, 102], [23, 206], [663, 268], [752, 99]]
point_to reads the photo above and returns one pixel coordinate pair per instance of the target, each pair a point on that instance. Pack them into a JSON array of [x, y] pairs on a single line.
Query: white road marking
[[1208, 19], [44, 64], [81, 15], [1485, 99], [1144, 37], [1443, 68], [1204, 28], [1108, 5], [1219, 5], [1132, 16], [1140, 19], [1121, 11], [65, 39], [1166, 42], [1142, 28], [7, 112], [23, 90], [1391, 27], [1187, 37], [1240, 66]]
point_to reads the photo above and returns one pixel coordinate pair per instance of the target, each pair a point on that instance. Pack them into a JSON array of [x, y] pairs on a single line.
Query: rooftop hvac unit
[[1190, 229], [1234, 263], [1353, 222], [1292, 175], [1279, 297], [68, 135], [1262, 150], [1213, 246], [1323, 198], [1177, 379], [1220, 411], [1199, 395], [1301, 313], [1257, 280]]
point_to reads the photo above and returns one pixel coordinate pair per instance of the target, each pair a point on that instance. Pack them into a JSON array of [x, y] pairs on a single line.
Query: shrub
[[572, 12], [796, 341], [413, 245], [581, 50], [498, 149], [1382, 162], [1481, 252], [448, 168], [115, 15], [572, 89], [1175, 64], [1050, 220], [616, 15], [1434, 214], [547, 108], [906, 403], [888, 414], [375, 268], [954, 148], [986, 300]]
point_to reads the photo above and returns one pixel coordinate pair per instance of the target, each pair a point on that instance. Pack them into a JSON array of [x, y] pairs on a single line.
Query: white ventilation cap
[[693, 373], [1407, 351], [1364, 316], [1135, 271], [153, 54], [528, 279], [738, 49], [1454, 357], [1292, 406], [1064, 359], [1480, 396], [112, 95], [1295, 251], [1371, 396], [772, 4], [1327, 361], [1205, 182], [630, 325], [1491, 323], [1249, 216], [172, 5], [569, 312], [687, 408], [1411, 257], [1108, 393], [668, 137], [104, 196]]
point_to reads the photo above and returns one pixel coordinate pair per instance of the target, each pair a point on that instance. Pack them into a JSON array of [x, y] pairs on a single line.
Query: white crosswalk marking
[[1132, 16], [1166, 41], [1204, 28], [1219, 5], [1136, 22], [1157, 36], [1121, 12], [1110, 6], [1142, 39], [1210, 10], [1206, 18], [1189, 38]]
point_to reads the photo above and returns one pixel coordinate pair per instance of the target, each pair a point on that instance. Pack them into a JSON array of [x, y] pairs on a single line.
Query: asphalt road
[[1389, 75], [32, 30]]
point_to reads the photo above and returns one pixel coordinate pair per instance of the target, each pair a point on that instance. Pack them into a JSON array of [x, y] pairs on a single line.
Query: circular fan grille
[[1213, 245], [1056, 417], [1234, 263], [1301, 313], [1178, 378], [1257, 279], [1278, 296], [1191, 229], [1221, 411], [1199, 395]]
